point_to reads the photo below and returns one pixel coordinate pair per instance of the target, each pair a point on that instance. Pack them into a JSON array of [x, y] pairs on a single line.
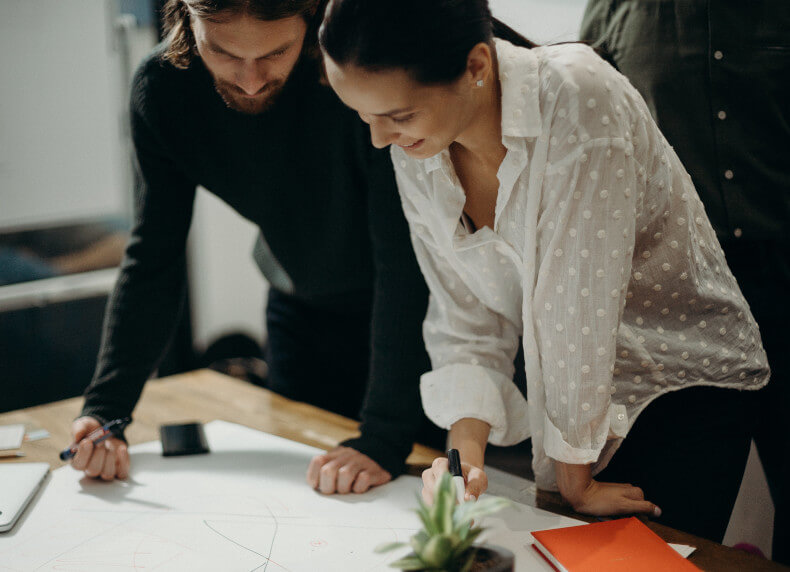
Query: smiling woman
[[547, 210], [409, 81]]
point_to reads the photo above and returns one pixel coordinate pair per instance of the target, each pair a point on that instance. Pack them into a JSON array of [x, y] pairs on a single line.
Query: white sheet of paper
[[245, 506], [683, 549], [11, 436]]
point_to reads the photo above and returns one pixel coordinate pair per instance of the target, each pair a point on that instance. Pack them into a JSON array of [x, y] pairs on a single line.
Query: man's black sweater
[[326, 204]]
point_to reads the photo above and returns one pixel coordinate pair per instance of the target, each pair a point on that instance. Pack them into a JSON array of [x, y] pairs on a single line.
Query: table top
[[206, 395]]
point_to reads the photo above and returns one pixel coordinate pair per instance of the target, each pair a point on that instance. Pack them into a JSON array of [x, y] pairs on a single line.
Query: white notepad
[[18, 483], [11, 436]]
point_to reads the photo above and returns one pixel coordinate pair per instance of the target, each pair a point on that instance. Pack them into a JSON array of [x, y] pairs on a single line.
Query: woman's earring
[[479, 83]]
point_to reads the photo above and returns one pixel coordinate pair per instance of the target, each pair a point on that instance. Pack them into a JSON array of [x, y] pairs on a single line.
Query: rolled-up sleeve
[[591, 186], [471, 346]]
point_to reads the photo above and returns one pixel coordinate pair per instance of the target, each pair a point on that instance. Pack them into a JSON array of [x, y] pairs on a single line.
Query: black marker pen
[[454, 459]]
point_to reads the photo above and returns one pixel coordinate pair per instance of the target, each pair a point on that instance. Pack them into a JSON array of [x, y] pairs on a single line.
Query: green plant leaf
[[469, 511], [444, 503], [418, 541], [425, 516], [409, 563], [437, 551], [467, 543], [470, 559], [440, 505], [462, 530], [386, 547]]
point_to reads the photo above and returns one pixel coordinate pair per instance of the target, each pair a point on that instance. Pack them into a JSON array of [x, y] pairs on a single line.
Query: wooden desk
[[206, 395]]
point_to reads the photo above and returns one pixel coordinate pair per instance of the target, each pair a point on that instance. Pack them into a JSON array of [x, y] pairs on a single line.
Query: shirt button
[[738, 233], [718, 55], [722, 115], [728, 174]]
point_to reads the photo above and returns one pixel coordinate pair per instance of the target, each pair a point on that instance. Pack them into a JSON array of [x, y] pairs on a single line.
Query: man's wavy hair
[[181, 48]]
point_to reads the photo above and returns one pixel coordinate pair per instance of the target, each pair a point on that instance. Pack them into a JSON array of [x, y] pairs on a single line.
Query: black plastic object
[[184, 439]]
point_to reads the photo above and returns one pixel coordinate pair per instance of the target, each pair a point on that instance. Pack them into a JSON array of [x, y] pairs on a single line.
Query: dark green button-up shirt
[[716, 76]]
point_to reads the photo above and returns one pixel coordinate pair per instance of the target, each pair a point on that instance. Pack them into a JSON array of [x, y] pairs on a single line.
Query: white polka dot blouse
[[601, 259]]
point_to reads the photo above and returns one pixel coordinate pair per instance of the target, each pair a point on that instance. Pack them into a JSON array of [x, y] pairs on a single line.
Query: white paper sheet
[[245, 506], [683, 549], [11, 436]]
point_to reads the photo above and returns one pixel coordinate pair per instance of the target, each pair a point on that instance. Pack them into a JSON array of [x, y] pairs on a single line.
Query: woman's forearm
[[470, 436], [572, 480]]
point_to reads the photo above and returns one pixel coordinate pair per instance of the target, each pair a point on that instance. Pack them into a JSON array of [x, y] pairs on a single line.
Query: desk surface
[[206, 395]]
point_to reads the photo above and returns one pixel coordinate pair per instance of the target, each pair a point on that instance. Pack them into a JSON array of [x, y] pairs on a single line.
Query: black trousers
[[318, 355], [687, 451], [763, 273]]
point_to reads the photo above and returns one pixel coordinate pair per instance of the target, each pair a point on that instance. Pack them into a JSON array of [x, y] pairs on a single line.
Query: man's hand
[[588, 496], [107, 460], [345, 470]]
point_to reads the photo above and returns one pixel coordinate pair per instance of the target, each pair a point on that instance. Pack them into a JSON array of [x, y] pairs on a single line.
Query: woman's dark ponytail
[[505, 32]]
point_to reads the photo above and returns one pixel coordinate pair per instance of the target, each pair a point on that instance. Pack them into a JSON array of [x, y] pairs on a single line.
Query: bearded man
[[233, 101]]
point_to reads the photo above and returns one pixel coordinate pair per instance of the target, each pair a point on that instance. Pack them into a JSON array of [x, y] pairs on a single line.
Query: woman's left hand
[[588, 496]]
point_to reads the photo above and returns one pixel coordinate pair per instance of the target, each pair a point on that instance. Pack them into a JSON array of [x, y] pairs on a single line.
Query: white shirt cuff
[[558, 448], [458, 391]]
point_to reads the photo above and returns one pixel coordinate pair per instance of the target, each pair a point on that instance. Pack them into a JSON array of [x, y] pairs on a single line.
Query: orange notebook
[[616, 545]]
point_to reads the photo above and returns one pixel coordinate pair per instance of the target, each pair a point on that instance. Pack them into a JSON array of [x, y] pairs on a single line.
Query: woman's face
[[422, 119]]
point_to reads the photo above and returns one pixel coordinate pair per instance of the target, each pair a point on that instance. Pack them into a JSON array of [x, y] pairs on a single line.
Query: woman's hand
[[474, 477], [469, 436], [588, 496]]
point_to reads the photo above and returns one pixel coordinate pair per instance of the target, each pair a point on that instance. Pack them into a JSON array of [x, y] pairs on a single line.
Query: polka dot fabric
[[601, 258]]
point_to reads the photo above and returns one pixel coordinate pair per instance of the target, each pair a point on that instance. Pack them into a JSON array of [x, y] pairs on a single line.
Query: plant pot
[[490, 558]]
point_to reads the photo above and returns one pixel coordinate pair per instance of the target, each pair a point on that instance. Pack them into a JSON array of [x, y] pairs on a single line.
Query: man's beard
[[237, 100]]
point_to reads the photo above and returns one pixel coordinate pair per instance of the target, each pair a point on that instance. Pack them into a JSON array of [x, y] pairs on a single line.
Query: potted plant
[[446, 541]]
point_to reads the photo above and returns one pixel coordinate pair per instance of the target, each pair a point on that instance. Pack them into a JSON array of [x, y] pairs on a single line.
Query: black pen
[[454, 460], [97, 436]]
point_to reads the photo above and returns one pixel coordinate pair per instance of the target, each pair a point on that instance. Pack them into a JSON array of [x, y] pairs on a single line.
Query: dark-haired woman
[[544, 203]]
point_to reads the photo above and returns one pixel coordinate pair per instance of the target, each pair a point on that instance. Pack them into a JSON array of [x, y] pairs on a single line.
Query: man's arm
[[144, 307], [391, 414]]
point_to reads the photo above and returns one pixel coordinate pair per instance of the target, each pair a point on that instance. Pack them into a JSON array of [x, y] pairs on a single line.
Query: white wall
[[541, 21], [227, 289], [62, 147]]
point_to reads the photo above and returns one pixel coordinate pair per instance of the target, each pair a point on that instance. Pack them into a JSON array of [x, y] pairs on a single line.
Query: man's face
[[250, 59]]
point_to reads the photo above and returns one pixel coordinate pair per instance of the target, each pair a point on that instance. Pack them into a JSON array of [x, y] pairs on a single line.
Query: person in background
[[233, 101], [714, 77], [544, 201]]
